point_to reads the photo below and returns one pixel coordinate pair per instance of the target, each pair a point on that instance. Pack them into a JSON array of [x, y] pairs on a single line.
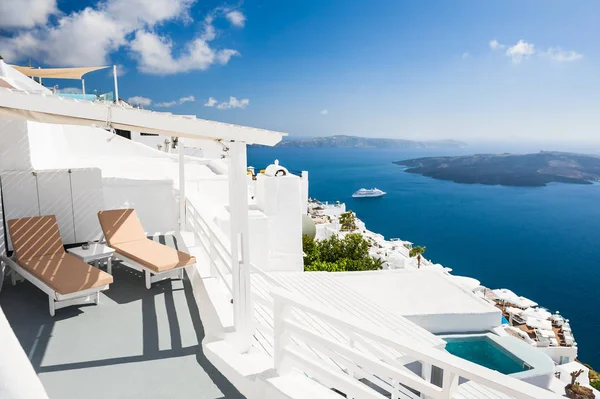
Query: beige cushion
[[153, 255], [34, 237], [65, 273], [121, 225]]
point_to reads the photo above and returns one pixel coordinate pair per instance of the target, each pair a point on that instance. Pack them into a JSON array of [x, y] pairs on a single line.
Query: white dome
[[276, 170]]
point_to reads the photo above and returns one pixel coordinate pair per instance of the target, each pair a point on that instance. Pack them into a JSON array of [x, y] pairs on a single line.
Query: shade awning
[[508, 296], [57, 73], [533, 322], [47, 108], [538, 313]]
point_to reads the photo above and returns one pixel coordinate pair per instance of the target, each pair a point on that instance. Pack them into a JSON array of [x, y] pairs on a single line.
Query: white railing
[[213, 242], [217, 247], [364, 370]]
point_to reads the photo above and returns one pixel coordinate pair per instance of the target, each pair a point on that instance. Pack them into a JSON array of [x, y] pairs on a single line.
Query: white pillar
[[181, 185], [426, 374], [116, 83], [240, 248], [83, 88]]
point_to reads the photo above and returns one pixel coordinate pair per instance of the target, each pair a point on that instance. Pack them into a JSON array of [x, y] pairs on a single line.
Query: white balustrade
[[361, 358]]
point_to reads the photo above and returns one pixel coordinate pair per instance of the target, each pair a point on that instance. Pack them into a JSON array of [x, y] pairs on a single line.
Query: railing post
[[352, 368], [182, 199], [449, 384], [281, 311], [240, 242], [213, 254]]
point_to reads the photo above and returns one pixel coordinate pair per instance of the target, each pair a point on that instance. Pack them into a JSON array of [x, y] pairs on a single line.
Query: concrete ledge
[[242, 370], [296, 386]]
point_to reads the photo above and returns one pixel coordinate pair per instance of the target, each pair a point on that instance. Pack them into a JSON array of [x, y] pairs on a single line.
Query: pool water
[[485, 352]]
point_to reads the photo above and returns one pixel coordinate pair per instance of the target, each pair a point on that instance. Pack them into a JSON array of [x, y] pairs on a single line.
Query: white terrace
[[270, 329]]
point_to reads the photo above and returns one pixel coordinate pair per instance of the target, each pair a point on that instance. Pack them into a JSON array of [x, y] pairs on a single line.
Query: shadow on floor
[[133, 330]]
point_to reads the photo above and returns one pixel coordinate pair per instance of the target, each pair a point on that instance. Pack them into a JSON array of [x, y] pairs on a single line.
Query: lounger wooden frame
[[55, 299]]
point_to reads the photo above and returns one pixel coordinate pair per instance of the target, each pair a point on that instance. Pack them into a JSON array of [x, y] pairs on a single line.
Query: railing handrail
[[449, 363]]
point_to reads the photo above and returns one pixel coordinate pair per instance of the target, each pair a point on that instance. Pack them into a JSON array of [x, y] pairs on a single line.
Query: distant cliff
[[342, 141], [510, 169]]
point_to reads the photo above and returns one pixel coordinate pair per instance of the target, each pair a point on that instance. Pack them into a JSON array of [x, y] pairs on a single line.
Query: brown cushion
[[121, 225], [65, 273], [153, 255], [35, 236]]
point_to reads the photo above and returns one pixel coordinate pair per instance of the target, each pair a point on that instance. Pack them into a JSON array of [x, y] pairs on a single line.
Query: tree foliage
[[335, 254], [417, 251], [348, 221]]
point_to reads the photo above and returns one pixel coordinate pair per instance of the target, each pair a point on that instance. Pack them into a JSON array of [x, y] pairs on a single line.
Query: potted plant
[[574, 390]]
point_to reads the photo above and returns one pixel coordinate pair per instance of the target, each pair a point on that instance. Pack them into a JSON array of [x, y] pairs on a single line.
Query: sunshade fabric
[[57, 73]]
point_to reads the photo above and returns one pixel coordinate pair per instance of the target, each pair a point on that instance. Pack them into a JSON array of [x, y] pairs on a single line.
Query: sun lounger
[[125, 234], [40, 258]]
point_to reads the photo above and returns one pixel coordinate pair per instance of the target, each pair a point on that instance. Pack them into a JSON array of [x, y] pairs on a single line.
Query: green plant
[[574, 376], [595, 384], [417, 251], [348, 221], [336, 254]]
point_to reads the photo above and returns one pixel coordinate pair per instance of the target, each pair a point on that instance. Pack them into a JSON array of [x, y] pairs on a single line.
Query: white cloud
[[523, 50], [188, 99], [140, 101], [232, 103], [25, 13], [211, 102], [324, 112], [520, 51], [494, 44], [166, 104], [89, 36], [182, 100], [560, 55], [236, 18], [154, 54], [465, 55]]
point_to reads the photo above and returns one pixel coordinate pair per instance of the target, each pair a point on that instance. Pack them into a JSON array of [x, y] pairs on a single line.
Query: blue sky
[[406, 69]]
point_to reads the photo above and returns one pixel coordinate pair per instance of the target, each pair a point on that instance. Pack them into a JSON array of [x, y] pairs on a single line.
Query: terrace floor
[[136, 343]]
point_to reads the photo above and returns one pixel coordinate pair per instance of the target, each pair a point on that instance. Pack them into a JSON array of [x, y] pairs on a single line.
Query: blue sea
[[540, 242]]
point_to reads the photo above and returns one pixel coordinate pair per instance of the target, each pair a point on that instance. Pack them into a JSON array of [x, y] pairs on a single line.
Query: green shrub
[[348, 221], [338, 255]]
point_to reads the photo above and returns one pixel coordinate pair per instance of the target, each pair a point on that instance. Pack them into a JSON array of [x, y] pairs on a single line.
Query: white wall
[[207, 149], [556, 352], [154, 202], [450, 323], [14, 145], [280, 198]]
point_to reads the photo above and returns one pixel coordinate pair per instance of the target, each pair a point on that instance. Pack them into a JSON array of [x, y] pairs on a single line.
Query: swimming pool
[[484, 351]]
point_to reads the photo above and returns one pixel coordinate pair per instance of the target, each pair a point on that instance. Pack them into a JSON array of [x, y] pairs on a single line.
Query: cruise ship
[[191, 280], [368, 193]]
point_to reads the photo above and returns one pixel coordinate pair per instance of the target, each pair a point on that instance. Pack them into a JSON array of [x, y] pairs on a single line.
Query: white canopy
[[514, 311], [537, 323], [508, 296], [538, 313], [57, 73]]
